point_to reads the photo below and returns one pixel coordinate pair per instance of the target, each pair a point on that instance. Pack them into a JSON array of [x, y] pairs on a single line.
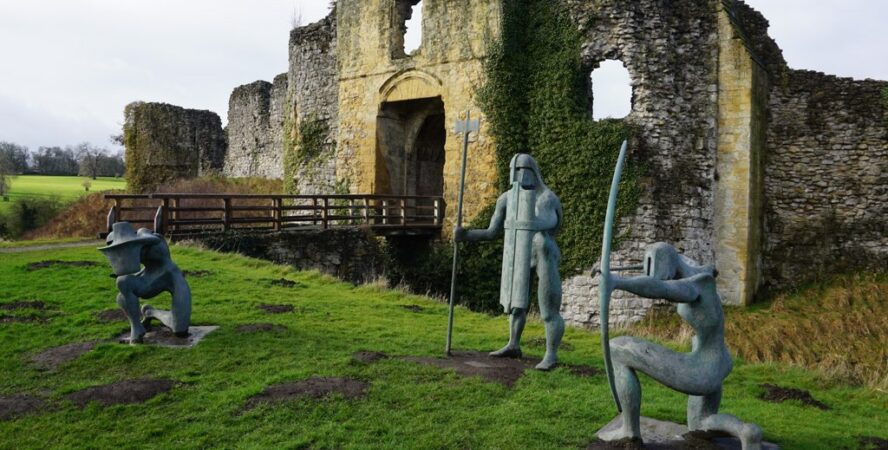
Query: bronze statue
[[530, 214], [127, 251]]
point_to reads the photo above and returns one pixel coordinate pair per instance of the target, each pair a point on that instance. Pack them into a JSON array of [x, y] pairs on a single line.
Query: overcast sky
[[68, 67]]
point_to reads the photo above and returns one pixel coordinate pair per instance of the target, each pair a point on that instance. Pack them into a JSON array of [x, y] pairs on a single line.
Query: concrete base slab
[[163, 337], [658, 434]]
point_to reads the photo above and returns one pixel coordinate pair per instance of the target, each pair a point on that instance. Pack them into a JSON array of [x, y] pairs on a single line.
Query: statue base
[[163, 337], [658, 434]]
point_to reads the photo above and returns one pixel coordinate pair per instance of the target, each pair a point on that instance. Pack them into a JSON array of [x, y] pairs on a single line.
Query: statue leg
[[516, 326], [703, 416], [178, 318], [629, 393], [549, 298], [129, 303]]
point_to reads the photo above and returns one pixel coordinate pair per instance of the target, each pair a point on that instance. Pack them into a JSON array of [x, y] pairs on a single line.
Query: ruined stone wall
[[312, 104], [449, 65], [826, 178], [165, 142], [350, 254], [671, 52], [255, 127]]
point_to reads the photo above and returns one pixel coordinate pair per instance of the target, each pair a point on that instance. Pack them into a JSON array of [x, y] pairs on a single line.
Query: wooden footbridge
[[183, 214]]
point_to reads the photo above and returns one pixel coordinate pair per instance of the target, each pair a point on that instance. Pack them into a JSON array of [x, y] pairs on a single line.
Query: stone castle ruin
[[773, 174]]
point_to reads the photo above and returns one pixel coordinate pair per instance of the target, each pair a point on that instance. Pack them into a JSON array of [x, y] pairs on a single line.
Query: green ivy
[[536, 101], [308, 144]]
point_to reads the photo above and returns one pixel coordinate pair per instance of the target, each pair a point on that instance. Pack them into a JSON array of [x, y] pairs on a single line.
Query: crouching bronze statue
[[127, 250]]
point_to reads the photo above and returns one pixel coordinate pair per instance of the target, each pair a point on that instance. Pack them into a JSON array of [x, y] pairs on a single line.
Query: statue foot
[[547, 364], [507, 352], [619, 434], [751, 437], [137, 337]]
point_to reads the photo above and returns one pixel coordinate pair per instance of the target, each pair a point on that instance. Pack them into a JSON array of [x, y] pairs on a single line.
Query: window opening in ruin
[[408, 35], [611, 91], [410, 138]]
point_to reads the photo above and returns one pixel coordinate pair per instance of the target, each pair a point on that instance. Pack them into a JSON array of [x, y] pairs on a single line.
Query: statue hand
[[459, 234]]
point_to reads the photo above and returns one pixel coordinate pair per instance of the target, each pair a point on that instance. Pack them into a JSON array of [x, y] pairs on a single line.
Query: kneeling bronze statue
[[127, 250]]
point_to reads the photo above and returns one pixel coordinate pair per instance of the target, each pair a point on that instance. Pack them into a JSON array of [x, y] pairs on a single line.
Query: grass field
[[407, 405], [66, 188]]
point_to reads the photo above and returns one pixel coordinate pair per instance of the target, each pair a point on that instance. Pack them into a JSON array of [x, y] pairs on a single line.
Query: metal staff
[[464, 127], [606, 286]]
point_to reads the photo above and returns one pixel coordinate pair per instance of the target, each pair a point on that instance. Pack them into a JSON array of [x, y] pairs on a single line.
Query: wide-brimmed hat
[[122, 233]]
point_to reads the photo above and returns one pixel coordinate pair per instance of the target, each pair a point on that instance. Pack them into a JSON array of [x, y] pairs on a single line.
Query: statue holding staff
[[528, 214]]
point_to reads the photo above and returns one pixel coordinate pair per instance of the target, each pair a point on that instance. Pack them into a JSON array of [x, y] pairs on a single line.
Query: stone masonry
[[776, 176], [166, 142], [255, 130]]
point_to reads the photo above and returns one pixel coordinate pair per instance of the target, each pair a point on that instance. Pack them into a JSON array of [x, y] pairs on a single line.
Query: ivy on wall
[[308, 144], [536, 101]]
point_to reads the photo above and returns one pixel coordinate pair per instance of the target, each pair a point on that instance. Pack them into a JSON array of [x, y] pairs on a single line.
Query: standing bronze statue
[[127, 251], [530, 214]]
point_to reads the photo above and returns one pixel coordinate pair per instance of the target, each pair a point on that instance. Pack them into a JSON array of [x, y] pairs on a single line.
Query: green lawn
[[407, 406], [66, 188]]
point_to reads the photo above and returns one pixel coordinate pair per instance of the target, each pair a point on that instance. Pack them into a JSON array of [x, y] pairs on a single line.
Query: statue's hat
[[122, 233]]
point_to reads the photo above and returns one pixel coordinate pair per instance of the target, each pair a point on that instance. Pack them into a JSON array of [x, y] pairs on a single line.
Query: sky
[[68, 67]]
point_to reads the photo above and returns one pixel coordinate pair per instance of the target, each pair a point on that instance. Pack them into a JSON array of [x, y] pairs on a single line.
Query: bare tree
[[6, 174], [88, 158]]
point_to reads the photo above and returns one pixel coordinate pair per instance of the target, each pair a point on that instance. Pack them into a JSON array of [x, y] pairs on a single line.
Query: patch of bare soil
[[21, 319], [122, 392], [872, 443], [15, 406], [53, 358], [584, 371], [777, 394], [261, 328], [112, 315], [283, 282], [54, 262], [276, 309], [12, 306], [413, 308], [315, 388], [505, 371], [196, 273], [369, 357]]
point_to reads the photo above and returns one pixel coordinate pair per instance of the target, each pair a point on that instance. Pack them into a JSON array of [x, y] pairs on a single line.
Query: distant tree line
[[83, 159]]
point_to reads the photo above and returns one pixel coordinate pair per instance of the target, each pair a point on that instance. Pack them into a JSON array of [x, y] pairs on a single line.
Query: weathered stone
[[166, 142]]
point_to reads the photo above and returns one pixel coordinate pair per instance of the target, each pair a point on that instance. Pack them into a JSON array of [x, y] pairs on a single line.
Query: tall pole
[[465, 127]]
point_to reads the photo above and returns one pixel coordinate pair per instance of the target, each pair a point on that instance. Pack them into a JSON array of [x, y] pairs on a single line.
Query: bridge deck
[[178, 214]]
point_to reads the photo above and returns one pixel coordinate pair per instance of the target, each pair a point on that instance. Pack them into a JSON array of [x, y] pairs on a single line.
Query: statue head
[[124, 247], [525, 171], [663, 262]]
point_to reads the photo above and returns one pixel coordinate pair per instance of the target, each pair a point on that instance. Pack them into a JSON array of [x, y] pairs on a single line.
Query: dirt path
[[37, 248]]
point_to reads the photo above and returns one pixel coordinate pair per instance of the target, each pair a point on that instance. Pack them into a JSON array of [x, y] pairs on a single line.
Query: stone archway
[[410, 137]]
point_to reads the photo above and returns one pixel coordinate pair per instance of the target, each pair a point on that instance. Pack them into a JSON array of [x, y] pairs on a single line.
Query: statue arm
[[493, 230], [677, 291]]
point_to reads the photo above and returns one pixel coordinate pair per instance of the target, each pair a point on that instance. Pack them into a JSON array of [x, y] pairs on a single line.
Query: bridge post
[[277, 203], [164, 211], [325, 212], [403, 213], [226, 215], [314, 212], [385, 210], [438, 211], [366, 211]]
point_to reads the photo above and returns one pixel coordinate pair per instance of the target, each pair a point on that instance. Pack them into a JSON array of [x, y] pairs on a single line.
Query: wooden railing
[[200, 213]]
